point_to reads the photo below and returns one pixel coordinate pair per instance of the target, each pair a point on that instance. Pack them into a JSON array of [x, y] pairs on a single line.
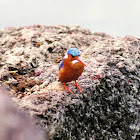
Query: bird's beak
[[80, 60]]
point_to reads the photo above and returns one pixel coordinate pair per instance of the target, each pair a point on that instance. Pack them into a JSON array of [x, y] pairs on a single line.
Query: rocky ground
[[108, 107], [14, 124]]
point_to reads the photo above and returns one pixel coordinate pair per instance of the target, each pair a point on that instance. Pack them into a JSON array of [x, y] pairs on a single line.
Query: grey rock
[[108, 107], [14, 125]]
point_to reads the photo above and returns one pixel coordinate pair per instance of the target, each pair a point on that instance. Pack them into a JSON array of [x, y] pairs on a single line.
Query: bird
[[71, 67]]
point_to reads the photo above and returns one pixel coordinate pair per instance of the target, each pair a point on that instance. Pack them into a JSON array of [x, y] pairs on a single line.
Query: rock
[[108, 107], [14, 125]]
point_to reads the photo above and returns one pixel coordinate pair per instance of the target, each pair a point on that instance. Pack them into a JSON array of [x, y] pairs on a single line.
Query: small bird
[[71, 68]]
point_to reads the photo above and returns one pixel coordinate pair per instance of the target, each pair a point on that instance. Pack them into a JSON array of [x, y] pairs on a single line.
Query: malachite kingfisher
[[71, 68]]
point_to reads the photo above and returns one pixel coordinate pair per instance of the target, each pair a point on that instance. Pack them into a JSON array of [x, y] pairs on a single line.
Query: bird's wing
[[61, 64]]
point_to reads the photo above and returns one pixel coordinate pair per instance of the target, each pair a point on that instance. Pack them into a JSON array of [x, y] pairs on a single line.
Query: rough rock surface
[[108, 107], [14, 125]]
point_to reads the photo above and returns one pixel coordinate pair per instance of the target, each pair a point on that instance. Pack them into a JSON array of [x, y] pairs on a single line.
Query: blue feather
[[61, 64], [71, 51], [74, 51]]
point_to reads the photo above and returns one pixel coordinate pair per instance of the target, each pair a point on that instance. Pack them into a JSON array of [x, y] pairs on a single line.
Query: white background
[[115, 17]]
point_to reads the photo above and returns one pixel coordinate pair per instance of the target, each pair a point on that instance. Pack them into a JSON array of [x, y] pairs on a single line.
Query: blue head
[[73, 52]]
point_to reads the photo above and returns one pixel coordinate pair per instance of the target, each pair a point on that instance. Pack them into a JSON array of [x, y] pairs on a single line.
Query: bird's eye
[[72, 56]]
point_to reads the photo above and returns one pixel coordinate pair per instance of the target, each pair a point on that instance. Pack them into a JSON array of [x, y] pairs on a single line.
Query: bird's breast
[[71, 71]]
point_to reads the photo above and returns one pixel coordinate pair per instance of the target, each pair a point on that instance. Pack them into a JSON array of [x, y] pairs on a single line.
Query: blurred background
[[115, 17]]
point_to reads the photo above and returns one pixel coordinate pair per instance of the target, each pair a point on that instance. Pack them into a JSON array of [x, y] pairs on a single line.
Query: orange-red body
[[70, 69], [70, 72]]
